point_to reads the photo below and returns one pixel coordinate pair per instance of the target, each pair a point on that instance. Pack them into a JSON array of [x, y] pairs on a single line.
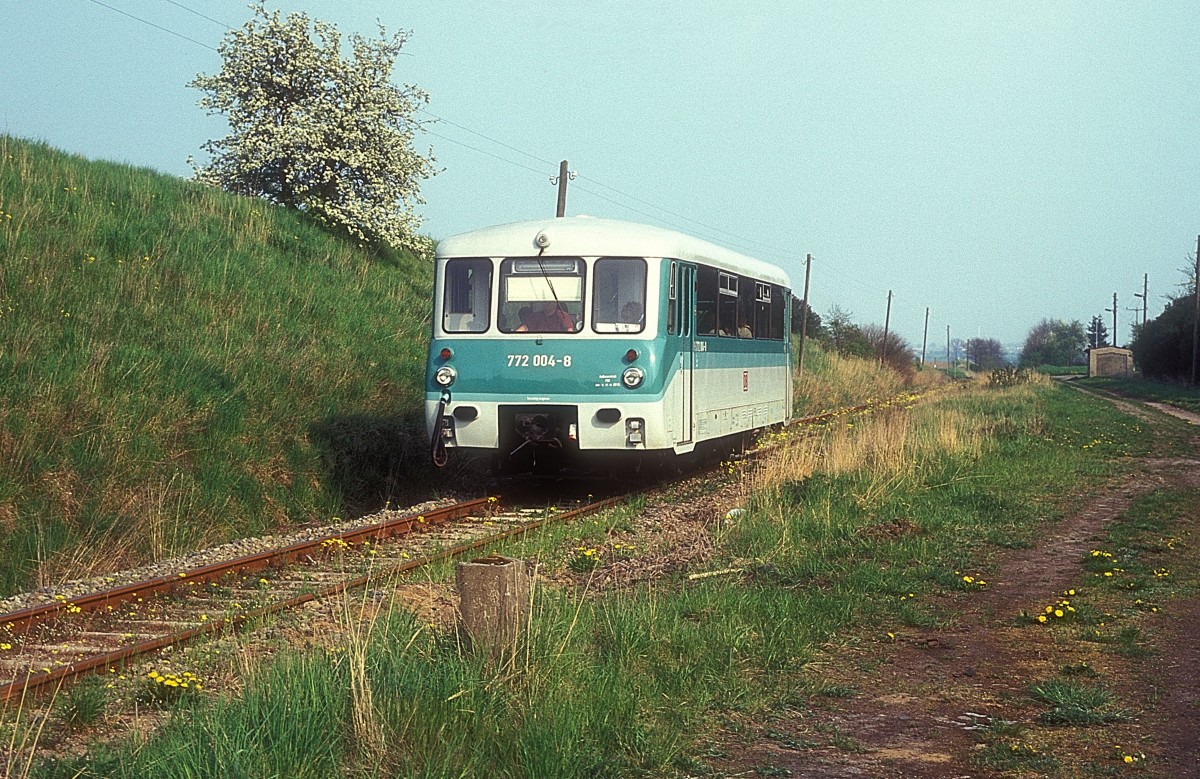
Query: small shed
[[1110, 361]]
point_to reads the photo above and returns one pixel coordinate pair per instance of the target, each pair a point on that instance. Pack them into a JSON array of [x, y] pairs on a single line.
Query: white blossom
[[314, 131]]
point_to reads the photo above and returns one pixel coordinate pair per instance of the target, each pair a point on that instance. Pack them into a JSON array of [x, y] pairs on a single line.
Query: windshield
[[467, 302], [619, 295], [541, 295]]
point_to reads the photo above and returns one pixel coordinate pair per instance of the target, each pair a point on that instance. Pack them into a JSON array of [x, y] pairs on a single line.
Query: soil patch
[[928, 704]]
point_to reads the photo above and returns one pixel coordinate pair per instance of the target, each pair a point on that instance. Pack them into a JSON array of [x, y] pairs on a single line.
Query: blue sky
[[996, 162]]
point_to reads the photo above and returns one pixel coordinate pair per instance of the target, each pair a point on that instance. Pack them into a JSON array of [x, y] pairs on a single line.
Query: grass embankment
[[851, 531], [179, 366], [830, 381]]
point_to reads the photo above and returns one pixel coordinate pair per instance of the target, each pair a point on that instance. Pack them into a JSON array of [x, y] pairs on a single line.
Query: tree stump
[[493, 602]]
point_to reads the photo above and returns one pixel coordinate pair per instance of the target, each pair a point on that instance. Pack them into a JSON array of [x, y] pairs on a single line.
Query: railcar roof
[[587, 237]]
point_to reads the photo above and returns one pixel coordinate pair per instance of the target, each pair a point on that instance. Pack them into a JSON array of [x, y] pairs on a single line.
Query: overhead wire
[[741, 241], [197, 13], [152, 24]]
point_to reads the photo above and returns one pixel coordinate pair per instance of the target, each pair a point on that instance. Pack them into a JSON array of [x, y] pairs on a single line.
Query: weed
[[84, 702], [1004, 755], [1077, 704]]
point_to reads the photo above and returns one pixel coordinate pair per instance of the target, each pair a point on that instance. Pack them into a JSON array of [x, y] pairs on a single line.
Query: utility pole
[[1196, 321], [887, 318], [804, 321], [1114, 313], [561, 180], [925, 336], [947, 348], [1145, 290]]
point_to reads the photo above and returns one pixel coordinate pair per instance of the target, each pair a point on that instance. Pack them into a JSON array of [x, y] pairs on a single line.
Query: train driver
[[547, 317]]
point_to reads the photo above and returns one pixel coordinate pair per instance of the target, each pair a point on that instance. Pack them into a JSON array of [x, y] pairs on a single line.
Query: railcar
[[577, 341]]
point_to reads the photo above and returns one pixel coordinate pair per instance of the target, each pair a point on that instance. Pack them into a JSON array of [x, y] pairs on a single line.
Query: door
[[685, 300]]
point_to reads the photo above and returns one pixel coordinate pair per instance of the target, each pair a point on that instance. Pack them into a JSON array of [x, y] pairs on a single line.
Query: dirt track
[[923, 708]]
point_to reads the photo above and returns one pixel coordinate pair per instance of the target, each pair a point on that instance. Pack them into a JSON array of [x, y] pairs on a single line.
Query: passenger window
[[779, 319], [727, 306], [672, 298], [619, 295], [762, 310], [706, 301], [466, 307]]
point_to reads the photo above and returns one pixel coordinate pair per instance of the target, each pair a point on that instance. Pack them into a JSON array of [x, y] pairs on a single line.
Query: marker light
[[631, 355], [445, 353], [632, 377], [444, 376]]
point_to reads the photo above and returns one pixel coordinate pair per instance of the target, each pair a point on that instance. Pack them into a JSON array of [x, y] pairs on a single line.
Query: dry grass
[[893, 445], [359, 615]]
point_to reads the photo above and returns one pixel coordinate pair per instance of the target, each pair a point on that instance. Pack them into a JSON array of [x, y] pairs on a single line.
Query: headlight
[[632, 377], [444, 376]]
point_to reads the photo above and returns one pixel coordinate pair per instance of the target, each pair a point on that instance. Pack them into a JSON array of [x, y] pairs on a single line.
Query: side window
[[466, 306], [727, 306], [619, 295], [706, 301], [672, 298], [779, 320], [762, 310], [745, 313]]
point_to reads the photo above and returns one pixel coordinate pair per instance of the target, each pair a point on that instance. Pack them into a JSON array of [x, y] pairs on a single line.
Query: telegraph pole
[[1143, 296], [561, 180], [887, 318], [925, 336], [947, 348], [804, 321], [1114, 313], [1196, 321]]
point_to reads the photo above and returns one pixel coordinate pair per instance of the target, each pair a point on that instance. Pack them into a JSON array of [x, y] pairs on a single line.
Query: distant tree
[[312, 131], [1054, 342], [893, 350], [1097, 333], [984, 354], [1162, 347], [814, 319], [844, 337]]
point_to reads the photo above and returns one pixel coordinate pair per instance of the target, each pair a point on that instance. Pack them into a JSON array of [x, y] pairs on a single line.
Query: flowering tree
[[316, 132]]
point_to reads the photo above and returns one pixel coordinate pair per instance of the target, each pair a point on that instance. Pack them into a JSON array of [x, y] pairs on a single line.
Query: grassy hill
[[179, 366]]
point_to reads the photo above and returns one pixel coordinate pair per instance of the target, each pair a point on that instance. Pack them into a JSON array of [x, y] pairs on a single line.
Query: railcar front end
[[574, 340]]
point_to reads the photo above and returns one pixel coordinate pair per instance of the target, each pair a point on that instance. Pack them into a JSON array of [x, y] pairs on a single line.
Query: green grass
[[180, 366], [636, 681], [1164, 392], [1077, 704]]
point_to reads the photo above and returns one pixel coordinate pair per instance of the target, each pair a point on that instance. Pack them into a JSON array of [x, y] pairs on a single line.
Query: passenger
[[631, 313], [743, 330], [549, 317]]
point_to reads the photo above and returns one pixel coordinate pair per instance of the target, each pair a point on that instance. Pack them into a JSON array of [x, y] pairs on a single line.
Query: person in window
[[548, 317], [631, 313], [743, 330]]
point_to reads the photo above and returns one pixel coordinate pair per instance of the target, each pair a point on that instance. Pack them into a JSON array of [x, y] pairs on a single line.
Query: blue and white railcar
[[560, 340]]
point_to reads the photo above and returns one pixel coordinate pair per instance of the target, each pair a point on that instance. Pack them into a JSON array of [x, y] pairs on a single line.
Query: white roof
[[581, 236]]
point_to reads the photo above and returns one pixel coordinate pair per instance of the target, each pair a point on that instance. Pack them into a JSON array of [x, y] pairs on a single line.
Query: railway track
[[48, 645]]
